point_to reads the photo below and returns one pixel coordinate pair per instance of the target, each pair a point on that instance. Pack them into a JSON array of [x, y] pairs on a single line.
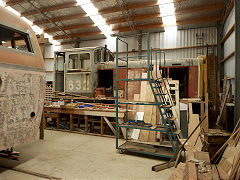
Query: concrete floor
[[75, 156]]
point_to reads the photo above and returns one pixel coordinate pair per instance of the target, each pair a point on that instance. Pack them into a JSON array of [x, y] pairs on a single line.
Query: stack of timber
[[222, 119], [151, 113], [229, 165]]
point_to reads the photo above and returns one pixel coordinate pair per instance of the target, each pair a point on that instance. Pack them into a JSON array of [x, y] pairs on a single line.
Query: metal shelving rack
[[163, 106]]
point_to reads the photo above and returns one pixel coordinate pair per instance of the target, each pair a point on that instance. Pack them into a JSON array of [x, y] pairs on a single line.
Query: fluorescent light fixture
[[167, 9], [82, 2], [160, 2], [105, 29], [169, 20], [90, 9], [37, 29], [2, 3], [27, 21], [13, 11], [167, 12], [3, 42], [98, 20]]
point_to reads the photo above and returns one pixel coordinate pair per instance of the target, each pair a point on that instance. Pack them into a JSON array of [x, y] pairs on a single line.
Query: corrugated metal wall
[[229, 47], [183, 38]]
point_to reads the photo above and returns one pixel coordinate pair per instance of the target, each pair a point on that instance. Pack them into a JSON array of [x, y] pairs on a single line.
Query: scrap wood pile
[[197, 165], [226, 99]]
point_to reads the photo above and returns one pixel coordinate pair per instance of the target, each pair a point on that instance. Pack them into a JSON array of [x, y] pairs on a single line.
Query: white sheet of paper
[[135, 134]]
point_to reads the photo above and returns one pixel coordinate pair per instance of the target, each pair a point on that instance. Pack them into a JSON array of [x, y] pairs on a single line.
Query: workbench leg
[[41, 128], [71, 122], [44, 119], [101, 125], [78, 121], [58, 120], [86, 124]]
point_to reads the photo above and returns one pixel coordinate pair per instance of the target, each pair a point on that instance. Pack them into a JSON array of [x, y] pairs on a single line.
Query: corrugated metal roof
[[23, 7]]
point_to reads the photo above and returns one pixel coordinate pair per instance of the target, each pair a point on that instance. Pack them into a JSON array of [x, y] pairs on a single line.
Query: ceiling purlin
[[108, 10], [201, 8], [203, 19]]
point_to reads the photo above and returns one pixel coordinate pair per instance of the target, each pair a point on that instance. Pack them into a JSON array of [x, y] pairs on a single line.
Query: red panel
[[133, 86], [193, 82], [121, 75]]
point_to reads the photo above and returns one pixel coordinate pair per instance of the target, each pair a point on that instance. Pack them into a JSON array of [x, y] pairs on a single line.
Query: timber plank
[[179, 172]]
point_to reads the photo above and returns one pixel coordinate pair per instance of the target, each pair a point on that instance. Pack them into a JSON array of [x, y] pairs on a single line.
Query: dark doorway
[[105, 79], [180, 74]]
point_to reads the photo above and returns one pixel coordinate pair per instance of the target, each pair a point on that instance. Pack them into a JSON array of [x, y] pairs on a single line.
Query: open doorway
[[105, 79], [180, 74]]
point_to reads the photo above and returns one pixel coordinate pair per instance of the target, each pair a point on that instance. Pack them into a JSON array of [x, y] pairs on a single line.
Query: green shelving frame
[[154, 81]]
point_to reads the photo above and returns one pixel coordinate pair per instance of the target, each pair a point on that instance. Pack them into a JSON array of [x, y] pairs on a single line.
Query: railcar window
[[15, 39]]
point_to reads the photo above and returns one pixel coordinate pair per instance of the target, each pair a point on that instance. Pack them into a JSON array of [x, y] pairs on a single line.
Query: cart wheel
[[121, 151]]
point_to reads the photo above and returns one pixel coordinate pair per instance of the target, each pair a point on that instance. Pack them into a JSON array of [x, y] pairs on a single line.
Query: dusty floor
[[76, 156]]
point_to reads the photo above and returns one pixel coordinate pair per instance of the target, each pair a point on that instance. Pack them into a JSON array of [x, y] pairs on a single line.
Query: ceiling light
[[82, 2], [98, 20], [90, 9], [167, 9], [13, 11], [164, 1], [169, 20], [105, 29]]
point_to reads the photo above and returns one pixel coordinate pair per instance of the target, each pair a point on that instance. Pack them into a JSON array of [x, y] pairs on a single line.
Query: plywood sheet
[[193, 122]]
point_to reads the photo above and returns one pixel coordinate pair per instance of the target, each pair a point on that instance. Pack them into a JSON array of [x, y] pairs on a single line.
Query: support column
[[220, 54], [237, 62]]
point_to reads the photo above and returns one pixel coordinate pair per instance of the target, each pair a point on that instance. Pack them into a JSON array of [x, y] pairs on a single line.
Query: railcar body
[[22, 81]]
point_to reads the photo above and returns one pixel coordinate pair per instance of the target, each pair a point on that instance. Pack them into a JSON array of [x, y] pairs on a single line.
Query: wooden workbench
[[55, 112]]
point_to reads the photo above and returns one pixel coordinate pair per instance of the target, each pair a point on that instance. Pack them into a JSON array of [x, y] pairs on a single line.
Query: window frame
[[78, 53], [19, 30]]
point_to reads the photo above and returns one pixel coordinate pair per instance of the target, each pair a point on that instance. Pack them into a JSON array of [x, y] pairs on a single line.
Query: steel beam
[[220, 53]]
